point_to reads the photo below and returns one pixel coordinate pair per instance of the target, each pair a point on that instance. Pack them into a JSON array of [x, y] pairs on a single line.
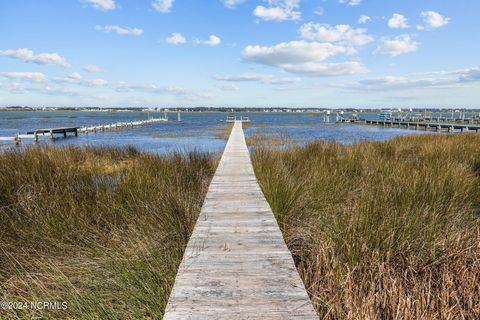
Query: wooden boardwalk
[[236, 264]]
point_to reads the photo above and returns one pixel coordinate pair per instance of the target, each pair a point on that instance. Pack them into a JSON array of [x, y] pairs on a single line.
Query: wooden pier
[[52, 131], [76, 130], [236, 264], [433, 126]]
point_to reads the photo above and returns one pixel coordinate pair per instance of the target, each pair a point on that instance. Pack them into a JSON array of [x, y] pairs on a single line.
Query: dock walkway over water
[[436, 126], [236, 264]]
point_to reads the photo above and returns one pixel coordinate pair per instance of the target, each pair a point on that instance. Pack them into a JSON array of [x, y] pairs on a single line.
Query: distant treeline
[[229, 109]]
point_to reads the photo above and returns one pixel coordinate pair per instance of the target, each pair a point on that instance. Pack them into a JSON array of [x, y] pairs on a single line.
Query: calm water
[[196, 131]]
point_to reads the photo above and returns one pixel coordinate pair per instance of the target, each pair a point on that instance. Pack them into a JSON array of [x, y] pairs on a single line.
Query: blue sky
[[259, 53]]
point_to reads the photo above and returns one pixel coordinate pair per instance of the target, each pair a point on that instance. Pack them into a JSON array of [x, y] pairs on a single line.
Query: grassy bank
[[101, 229], [382, 230]]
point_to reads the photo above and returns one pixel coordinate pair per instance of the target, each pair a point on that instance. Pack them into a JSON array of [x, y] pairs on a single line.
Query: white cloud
[[293, 52], [28, 76], [435, 19], [316, 69], [27, 82], [398, 21], [396, 46], [305, 58], [42, 58], [279, 10], [104, 5], [90, 68], [178, 92], [232, 3], [264, 78], [120, 30], [212, 41], [364, 19], [228, 87], [163, 6], [439, 79], [176, 38], [351, 2], [75, 76], [76, 79], [339, 33], [95, 83]]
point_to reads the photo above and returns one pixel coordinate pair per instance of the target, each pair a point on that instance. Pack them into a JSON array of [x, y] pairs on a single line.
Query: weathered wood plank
[[236, 264]]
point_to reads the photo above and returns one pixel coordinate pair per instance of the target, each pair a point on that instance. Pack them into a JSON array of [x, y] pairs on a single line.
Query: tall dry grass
[[101, 229], [385, 230]]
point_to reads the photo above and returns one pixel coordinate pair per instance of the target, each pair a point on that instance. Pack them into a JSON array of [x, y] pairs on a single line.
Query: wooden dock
[[433, 126], [236, 264], [75, 130], [63, 131]]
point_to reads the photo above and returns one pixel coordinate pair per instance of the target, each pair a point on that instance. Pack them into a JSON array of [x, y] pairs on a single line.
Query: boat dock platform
[[232, 119], [434, 126], [236, 264]]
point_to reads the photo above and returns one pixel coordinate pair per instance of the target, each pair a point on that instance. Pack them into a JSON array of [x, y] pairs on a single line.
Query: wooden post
[[35, 136], [17, 139]]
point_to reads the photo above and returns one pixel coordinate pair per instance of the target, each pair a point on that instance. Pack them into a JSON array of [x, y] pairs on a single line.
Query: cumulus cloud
[[340, 33], [28, 76], [176, 38], [212, 41], [264, 78], [42, 58], [364, 19], [232, 3], [434, 19], [396, 46], [103, 5], [122, 31], [305, 58], [90, 68], [398, 21], [293, 52], [279, 10], [351, 2], [163, 6]]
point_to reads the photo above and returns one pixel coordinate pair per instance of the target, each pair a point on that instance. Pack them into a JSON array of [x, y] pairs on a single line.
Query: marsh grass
[[247, 125], [381, 230], [101, 229], [171, 135], [223, 131], [270, 139]]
